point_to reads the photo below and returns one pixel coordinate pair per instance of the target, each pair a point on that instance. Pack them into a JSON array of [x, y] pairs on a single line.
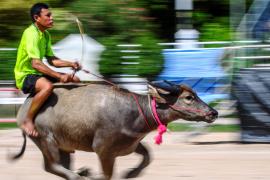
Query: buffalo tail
[[13, 157]]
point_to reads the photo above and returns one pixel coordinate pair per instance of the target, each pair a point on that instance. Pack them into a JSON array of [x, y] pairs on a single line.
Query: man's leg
[[43, 89]]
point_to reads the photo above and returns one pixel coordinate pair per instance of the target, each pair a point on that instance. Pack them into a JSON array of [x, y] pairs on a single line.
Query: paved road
[[213, 156]]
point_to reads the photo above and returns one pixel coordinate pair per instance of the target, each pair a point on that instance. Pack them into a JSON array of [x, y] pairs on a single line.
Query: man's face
[[45, 19]]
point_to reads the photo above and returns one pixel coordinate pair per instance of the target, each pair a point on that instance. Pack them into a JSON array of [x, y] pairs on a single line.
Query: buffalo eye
[[189, 99]]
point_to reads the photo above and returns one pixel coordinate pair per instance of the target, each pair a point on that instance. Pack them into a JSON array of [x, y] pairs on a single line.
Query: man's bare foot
[[29, 128]]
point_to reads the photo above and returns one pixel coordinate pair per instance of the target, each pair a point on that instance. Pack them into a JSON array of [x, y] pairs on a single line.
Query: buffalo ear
[[158, 93]]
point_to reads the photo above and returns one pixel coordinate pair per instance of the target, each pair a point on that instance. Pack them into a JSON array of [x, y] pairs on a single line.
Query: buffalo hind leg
[[53, 157], [65, 160], [142, 150]]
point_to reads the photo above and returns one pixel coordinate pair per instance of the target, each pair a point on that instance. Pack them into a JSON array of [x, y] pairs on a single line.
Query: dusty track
[[213, 156]]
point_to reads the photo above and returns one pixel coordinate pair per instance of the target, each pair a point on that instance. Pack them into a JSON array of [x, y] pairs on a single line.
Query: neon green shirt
[[34, 44]]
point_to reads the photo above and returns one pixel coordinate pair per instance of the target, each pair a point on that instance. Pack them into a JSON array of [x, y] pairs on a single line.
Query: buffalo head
[[183, 102]]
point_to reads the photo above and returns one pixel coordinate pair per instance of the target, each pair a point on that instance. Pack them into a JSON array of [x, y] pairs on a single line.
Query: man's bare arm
[[56, 62], [44, 69]]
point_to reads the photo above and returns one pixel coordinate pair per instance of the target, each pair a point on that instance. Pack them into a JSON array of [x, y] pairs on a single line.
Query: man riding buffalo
[[31, 74]]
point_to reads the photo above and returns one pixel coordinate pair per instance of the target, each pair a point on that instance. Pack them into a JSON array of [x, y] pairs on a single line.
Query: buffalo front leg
[[142, 150], [107, 163]]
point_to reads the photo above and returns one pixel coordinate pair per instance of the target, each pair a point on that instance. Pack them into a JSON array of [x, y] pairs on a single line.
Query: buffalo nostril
[[215, 114]]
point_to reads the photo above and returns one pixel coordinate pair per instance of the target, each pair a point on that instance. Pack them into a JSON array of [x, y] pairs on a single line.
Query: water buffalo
[[107, 120]]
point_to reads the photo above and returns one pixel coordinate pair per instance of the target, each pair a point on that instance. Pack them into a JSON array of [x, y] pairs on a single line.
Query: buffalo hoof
[[86, 178], [132, 174], [84, 171], [97, 177]]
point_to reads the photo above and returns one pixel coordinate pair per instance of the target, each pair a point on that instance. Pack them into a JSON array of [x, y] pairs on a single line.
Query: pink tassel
[[161, 129]]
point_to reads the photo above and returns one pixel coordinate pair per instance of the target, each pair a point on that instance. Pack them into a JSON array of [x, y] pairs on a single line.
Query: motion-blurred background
[[218, 47]]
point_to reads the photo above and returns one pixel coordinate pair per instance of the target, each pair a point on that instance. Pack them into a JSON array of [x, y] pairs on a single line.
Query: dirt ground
[[212, 156]]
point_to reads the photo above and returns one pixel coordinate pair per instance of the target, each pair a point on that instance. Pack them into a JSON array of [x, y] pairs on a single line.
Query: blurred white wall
[[86, 52]]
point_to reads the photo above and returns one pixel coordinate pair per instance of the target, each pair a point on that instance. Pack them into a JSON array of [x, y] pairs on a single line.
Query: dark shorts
[[30, 81]]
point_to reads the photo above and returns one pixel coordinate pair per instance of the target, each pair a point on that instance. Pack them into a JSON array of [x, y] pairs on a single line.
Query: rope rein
[[107, 81], [140, 109]]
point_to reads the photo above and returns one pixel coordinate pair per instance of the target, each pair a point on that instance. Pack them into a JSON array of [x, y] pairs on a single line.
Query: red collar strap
[[161, 128], [140, 109]]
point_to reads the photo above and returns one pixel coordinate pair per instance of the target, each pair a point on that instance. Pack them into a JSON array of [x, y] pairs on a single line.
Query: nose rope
[[177, 108]]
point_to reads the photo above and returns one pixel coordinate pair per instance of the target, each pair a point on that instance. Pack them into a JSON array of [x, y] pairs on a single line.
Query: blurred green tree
[[116, 22]]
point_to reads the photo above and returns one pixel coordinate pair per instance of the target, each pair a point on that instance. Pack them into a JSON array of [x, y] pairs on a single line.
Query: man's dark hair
[[36, 9]]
